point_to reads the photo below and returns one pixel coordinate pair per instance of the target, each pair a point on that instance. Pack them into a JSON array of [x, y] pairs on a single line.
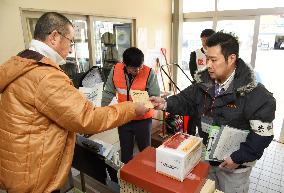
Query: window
[[251, 4], [259, 27], [78, 60], [89, 49], [269, 62], [198, 6], [191, 41], [112, 38], [80, 56], [191, 38], [244, 30]]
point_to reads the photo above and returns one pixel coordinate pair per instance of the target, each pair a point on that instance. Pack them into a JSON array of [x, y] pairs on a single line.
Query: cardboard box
[[177, 156], [141, 173]]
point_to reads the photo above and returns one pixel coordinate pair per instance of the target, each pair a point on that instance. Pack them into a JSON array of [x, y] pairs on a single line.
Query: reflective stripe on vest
[[121, 91], [139, 83]]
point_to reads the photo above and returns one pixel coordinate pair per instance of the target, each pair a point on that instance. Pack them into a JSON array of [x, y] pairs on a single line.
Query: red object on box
[[175, 141], [141, 171]]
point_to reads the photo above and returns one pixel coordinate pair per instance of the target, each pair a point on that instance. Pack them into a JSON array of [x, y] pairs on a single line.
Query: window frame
[[89, 18]]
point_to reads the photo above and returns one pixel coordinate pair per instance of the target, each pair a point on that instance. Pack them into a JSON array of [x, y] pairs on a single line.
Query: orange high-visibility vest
[[139, 83]]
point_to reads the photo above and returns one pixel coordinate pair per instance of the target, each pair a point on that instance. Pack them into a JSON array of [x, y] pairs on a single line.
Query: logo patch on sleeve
[[261, 128]]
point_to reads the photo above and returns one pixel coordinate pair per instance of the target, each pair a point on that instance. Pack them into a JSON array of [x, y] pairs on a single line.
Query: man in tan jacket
[[40, 112]]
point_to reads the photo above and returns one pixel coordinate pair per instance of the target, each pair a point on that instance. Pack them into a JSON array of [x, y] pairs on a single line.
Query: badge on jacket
[[200, 62]]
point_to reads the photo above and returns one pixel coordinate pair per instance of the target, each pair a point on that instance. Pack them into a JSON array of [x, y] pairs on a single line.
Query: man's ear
[[232, 59], [53, 37]]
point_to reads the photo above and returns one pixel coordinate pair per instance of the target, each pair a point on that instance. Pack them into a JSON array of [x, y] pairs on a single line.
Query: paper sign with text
[[142, 97]]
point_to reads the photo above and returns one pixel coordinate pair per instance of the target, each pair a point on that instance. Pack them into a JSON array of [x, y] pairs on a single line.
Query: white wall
[[152, 15]]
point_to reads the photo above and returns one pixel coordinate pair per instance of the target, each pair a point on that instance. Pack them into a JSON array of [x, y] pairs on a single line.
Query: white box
[[177, 156]]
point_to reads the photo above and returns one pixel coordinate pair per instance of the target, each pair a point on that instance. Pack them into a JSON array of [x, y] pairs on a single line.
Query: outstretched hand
[[158, 102], [140, 109]]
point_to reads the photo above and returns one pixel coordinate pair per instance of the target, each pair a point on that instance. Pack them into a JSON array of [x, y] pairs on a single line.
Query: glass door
[[244, 30], [191, 41], [269, 62]]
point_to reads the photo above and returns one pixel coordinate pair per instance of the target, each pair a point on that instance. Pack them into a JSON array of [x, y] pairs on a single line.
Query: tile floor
[[268, 174]]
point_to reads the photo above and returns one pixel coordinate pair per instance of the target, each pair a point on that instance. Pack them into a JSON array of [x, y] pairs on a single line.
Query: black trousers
[[140, 131], [191, 128], [192, 124]]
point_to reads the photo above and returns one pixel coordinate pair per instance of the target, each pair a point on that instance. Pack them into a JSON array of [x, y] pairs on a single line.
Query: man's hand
[[158, 102], [140, 109], [229, 164]]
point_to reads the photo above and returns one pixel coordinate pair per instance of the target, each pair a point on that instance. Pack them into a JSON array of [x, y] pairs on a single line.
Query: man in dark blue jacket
[[227, 94]]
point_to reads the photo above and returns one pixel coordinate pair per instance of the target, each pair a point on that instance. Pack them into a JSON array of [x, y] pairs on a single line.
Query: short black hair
[[49, 22], [228, 42], [207, 32], [133, 57]]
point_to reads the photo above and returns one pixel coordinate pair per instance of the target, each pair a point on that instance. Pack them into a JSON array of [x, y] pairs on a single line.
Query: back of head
[[229, 43], [206, 33], [133, 57], [49, 22]]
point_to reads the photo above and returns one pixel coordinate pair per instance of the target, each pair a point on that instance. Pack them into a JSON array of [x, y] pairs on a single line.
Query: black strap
[[56, 191], [216, 163]]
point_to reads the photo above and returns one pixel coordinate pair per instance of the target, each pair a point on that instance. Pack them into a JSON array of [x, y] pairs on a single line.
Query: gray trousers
[[230, 182]]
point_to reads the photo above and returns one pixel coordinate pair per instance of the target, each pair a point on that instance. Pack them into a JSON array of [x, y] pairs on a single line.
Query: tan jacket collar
[[17, 66]]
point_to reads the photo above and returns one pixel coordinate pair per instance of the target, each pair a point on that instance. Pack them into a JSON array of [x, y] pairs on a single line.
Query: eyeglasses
[[134, 69], [72, 43]]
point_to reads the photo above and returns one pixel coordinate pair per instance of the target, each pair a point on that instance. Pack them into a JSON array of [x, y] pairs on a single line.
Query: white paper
[[106, 148], [93, 94], [229, 141]]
